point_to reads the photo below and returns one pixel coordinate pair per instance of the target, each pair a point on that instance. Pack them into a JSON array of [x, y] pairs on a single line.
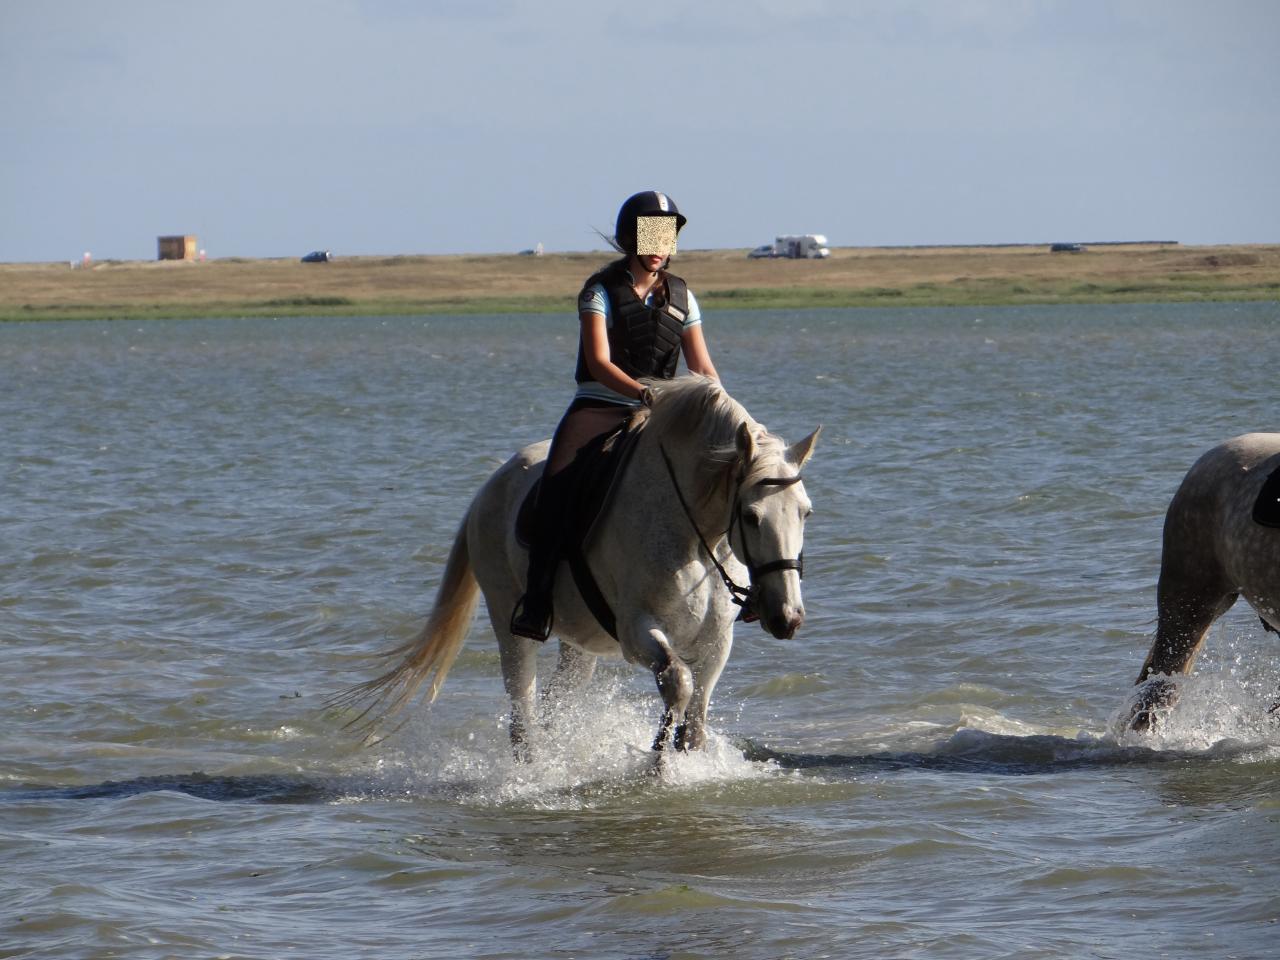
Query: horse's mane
[[697, 410]]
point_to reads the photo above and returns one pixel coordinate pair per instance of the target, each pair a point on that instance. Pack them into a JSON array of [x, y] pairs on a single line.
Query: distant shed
[[177, 248]]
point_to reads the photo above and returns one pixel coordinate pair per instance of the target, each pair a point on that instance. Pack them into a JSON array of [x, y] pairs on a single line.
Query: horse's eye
[[752, 519]]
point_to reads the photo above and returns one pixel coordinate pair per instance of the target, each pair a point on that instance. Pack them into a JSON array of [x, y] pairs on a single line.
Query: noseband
[[744, 597]]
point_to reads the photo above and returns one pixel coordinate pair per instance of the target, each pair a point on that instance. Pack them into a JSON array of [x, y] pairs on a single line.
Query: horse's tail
[[431, 652]]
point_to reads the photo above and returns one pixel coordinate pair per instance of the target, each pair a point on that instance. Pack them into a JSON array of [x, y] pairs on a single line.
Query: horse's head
[[766, 527], [736, 463]]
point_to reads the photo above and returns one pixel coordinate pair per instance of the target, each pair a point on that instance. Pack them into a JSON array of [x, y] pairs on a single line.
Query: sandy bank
[[411, 284]]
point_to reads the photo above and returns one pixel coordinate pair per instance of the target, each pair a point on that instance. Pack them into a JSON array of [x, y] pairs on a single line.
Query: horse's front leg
[[649, 645], [692, 734], [574, 670], [675, 683], [1185, 613]]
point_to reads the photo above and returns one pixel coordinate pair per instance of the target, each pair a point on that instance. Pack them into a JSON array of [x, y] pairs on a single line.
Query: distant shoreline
[[990, 275]]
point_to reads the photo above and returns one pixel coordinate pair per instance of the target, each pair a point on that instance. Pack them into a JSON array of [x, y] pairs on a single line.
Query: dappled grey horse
[[708, 498], [1219, 544]]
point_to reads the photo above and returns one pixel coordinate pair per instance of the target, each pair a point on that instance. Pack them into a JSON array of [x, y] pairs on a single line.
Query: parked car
[[1066, 248], [318, 256], [791, 246]]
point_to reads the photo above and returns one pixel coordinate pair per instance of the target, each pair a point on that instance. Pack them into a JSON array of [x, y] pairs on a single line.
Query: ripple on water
[[206, 524]]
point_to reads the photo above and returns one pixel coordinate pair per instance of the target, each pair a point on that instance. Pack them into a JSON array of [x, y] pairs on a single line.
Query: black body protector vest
[[644, 340]]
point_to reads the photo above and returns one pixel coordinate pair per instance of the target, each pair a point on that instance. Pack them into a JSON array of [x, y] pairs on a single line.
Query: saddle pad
[[1266, 509]]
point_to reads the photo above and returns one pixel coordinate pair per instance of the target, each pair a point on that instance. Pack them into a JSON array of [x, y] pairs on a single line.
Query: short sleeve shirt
[[595, 300]]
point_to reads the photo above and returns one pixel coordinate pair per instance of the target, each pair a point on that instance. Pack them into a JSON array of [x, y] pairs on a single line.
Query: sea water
[[208, 527]]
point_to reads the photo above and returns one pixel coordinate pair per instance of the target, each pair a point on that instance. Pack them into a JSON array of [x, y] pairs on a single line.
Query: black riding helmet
[[649, 203]]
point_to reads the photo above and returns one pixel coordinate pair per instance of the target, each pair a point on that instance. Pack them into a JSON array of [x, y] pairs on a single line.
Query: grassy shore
[[723, 279]]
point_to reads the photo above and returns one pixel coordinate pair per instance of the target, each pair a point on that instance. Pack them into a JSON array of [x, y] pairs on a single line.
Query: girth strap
[[592, 596]]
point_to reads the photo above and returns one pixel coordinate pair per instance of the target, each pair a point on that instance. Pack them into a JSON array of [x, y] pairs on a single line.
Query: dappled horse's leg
[[1193, 591], [675, 681], [519, 676], [1187, 606], [692, 733], [573, 672]]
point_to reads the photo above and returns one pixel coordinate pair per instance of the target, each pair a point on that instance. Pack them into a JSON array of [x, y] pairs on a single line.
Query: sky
[[269, 129]]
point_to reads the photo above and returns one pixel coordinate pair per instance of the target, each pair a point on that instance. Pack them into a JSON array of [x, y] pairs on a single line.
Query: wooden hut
[[177, 248]]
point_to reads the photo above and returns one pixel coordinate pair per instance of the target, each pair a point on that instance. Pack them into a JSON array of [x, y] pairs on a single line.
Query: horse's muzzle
[[785, 624]]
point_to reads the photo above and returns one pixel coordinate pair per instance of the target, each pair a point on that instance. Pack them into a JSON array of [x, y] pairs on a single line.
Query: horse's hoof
[[681, 740], [520, 744], [687, 739], [1156, 696], [1141, 721]]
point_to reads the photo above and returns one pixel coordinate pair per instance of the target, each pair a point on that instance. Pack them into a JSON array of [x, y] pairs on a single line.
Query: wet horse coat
[[1215, 550]]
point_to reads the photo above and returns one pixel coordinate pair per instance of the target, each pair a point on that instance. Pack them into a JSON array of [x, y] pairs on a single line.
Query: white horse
[[1214, 551], [705, 486]]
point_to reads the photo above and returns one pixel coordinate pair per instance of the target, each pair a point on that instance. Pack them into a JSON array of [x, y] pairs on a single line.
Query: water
[[207, 526]]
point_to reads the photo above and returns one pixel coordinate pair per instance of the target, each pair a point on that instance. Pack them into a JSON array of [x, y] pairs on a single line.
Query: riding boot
[[533, 612]]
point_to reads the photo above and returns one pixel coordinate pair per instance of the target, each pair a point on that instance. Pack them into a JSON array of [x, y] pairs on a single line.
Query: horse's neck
[[653, 491]]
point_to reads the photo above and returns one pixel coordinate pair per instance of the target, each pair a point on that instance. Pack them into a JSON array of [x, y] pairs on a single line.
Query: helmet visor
[[656, 236]]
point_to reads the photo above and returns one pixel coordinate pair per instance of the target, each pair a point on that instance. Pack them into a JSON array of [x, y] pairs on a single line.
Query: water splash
[[594, 751], [1223, 707], [1214, 714]]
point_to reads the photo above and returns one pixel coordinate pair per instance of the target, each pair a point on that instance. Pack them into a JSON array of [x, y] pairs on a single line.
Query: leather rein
[[744, 597]]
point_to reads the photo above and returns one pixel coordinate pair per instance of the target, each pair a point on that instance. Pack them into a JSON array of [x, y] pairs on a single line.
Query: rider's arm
[[595, 351], [696, 356]]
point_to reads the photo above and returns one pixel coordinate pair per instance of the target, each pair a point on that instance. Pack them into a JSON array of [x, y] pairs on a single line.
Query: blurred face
[[655, 237]]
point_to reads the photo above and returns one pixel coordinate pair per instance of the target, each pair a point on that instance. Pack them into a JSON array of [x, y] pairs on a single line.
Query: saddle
[[592, 478], [1266, 509]]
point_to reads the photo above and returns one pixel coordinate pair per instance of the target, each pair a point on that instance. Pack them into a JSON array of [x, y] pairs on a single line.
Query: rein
[[744, 597]]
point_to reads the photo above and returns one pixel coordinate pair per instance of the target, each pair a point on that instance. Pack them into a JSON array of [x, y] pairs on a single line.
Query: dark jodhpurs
[[585, 420]]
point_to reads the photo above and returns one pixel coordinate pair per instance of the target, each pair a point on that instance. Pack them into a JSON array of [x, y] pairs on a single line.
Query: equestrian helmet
[[649, 203]]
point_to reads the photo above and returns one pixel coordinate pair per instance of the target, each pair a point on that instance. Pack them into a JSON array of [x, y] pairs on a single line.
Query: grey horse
[[1215, 550], [709, 498]]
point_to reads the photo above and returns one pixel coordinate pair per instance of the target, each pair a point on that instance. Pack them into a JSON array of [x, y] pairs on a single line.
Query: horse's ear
[[746, 443], [800, 451]]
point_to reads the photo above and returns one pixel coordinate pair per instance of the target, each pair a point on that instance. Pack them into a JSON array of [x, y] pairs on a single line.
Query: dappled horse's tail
[[431, 652]]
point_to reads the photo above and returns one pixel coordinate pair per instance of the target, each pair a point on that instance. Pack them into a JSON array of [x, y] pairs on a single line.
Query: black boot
[[533, 613]]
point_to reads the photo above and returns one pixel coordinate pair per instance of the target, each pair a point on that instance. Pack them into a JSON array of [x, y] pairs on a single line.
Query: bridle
[[744, 597]]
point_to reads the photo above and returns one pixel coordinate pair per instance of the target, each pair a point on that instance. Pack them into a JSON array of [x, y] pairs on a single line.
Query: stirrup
[[527, 624]]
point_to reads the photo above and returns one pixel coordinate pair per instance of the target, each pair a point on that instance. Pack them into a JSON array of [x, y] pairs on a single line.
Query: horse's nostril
[[785, 627], [794, 623]]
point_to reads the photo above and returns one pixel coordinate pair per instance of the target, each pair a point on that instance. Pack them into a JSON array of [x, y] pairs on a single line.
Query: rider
[[636, 319]]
